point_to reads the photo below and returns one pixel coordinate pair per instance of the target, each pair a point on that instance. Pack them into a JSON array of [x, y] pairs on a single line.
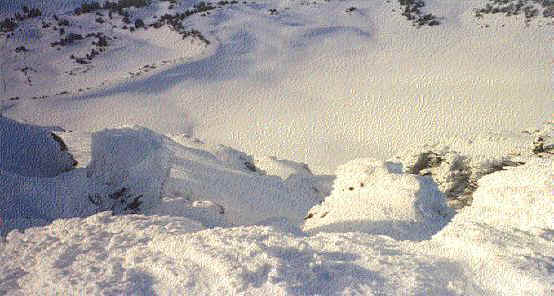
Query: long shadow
[[31, 150], [315, 272], [332, 274], [317, 35], [229, 61]]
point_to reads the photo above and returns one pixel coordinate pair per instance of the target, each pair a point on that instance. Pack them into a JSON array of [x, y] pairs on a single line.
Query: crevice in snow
[[456, 175]]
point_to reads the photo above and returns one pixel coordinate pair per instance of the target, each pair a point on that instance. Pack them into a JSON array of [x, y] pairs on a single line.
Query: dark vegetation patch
[[454, 175], [541, 149], [175, 20], [196, 34], [350, 9], [530, 9], [112, 6], [412, 12], [69, 39], [100, 44], [27, 72], [119, 201], [21, 49], [9, 24]]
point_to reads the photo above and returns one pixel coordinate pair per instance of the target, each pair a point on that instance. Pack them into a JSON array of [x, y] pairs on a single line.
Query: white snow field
[[276, 147]]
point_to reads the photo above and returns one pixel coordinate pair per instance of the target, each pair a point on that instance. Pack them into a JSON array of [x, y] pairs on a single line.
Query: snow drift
[[375, 197], [387, 237]]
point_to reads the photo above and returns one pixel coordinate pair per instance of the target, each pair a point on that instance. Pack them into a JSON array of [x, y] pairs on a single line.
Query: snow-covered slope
[[276, 147], [309, 81], [389, 237]]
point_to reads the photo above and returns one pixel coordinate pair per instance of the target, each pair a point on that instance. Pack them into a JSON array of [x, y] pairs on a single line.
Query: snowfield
[[276, 148]]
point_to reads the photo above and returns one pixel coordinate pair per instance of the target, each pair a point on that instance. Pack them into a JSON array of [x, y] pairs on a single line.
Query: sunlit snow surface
[[365, 245], [311, 83], [257, 165]]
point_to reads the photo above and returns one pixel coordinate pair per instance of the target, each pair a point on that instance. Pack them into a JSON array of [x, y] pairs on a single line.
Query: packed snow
[[369, 196], [276, 148]]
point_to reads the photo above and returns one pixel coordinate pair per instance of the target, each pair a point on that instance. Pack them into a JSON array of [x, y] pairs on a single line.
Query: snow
[[205, 233], [254, 86], [296, 148], [370, 196], [31, 151]]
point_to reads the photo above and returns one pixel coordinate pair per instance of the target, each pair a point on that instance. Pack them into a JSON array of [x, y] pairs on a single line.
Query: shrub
[[34, 12], [63, 22], [139, 23], [87, 7], [120, 201], [135, 3], [8, 25], [548, 11], [21, 49], [203, 6]]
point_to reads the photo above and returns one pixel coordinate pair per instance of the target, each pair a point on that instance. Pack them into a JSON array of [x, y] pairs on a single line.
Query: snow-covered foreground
[[212, 222], [276, 148]]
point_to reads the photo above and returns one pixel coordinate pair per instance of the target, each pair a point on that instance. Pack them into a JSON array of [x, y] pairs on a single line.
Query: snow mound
[[200, 172], [104, 254], [133, 158], [374, 197], [456, 166], [509, 227], [271, 165], [136, 255]]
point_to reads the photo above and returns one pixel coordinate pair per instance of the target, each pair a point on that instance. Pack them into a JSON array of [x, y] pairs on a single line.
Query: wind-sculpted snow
[[509, 227], [106, 255], [387, 237], [376, 197], [99, 255], [30, 150], [281, 94]]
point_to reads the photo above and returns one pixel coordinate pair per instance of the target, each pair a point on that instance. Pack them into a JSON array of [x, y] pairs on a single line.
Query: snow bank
[[133, 169], [283, 168], [229, 179], [507, 233], [101, 255], [30, 150], [133, 158], [106, 255], [385, 237], [375, 197]]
